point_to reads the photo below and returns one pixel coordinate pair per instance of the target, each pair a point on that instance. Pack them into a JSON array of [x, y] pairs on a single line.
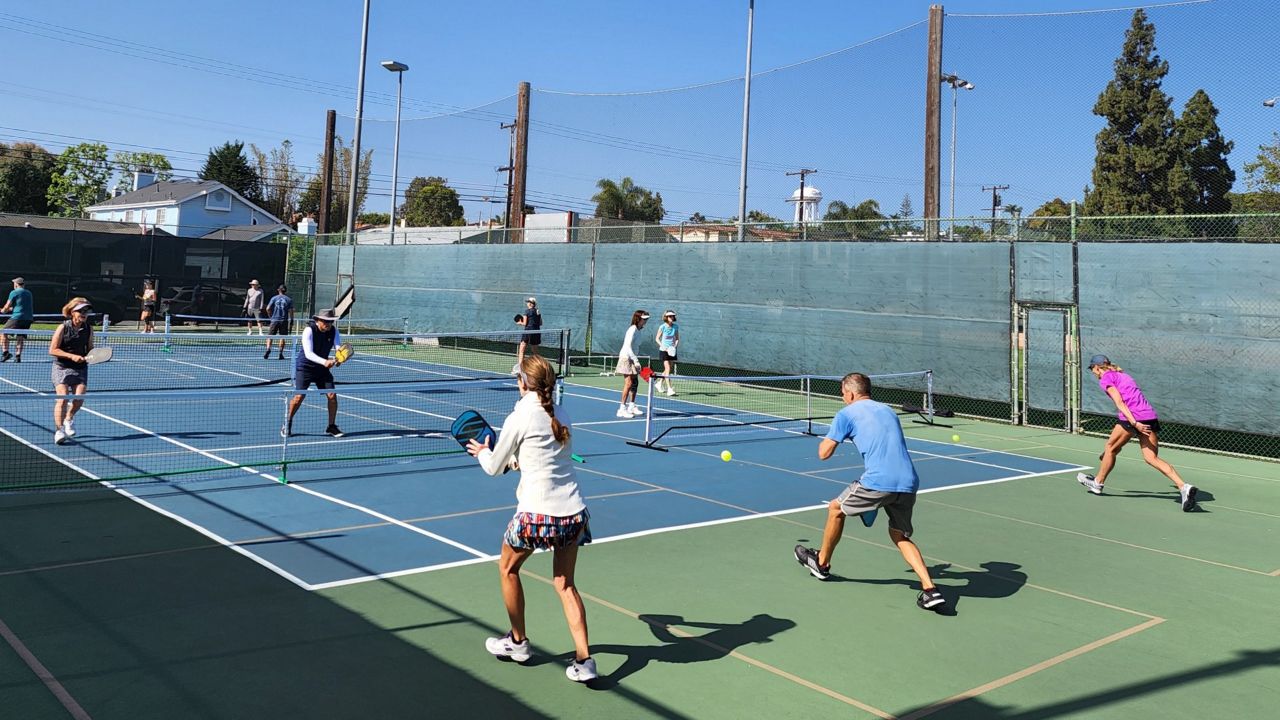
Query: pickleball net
[[233, 436], [202, 361], [713, 408]]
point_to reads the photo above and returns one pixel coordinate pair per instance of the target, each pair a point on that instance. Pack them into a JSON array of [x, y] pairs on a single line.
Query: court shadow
[[998, 580], [377, 432], [1167, 495], [723, 639], [189, 435]]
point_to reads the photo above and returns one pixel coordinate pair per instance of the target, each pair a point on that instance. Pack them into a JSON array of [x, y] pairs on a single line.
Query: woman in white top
[[667, 338], [253, 302], [629, 367], [550, 513]]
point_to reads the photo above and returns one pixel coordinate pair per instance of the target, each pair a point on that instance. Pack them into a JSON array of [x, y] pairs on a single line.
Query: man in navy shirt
[[312, 366], [280, 312], [888, 481]]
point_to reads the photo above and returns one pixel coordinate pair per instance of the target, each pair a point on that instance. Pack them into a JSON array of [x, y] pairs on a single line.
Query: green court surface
[[1066, 605]]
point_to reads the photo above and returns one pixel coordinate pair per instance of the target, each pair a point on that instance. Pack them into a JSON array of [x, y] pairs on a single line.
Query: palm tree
[[614, 198]]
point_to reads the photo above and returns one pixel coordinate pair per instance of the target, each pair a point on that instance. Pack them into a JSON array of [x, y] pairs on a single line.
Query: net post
[[404, 342], [565, 344], [284, 443], [168, 327], [928, 395], [807, 384], [648, 411], [106, 326]]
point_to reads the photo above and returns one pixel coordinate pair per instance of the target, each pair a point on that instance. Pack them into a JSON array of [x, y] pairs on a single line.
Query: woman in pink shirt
[[1136, 417]]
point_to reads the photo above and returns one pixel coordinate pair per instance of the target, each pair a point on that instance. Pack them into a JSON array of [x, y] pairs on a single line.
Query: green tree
[[760, 216], [79, 179], [1135, 151], [1052, 218], [863, 220], [1205, 178], [1262, 178], [374, 218], [281, 180], [698, 219], [228, 165], [627, 201], [26, 169], [430, 202], [309, 200], [127, 163]]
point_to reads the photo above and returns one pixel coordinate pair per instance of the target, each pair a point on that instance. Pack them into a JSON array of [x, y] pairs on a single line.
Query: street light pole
[[956, 83], [398, 68], [354, 177]]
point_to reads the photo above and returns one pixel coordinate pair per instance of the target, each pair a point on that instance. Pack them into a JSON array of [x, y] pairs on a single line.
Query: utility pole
[[932, 123], [804, 229], [326, 181], [511, 165], [520, 161], [746, 126], [355, 141], [995, 203]]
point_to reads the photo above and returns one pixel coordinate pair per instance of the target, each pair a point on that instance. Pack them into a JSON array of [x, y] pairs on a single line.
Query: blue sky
[[182, 77]]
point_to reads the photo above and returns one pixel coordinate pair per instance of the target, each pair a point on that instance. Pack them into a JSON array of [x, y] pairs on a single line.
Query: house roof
[[58, 223], [164, 192], [764, 233], [173, 192], [245, 233]]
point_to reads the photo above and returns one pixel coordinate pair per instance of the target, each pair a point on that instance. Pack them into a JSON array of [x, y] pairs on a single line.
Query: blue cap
[[1099, 360]]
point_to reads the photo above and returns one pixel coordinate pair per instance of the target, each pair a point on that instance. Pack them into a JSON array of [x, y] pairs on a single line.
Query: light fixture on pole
[[956, 83], [398, 68], [1270, 102]]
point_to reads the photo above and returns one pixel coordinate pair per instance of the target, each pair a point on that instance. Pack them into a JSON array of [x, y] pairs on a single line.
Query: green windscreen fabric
[[1196, 324]]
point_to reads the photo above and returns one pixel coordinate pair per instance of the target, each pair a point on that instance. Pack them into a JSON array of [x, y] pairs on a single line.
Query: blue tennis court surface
[[336, 524]]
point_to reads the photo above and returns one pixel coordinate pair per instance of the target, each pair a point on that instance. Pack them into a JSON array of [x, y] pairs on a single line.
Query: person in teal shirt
[[20, 304]]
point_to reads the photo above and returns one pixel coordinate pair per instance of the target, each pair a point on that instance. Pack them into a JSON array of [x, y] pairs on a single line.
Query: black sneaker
[[17, 358], [266, 355], [5, 357], [279, 357], [931, 599], [808, 557], [333, 431]]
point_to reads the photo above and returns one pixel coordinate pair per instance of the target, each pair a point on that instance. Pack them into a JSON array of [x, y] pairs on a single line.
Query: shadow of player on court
[[680, 646], [999, 580]]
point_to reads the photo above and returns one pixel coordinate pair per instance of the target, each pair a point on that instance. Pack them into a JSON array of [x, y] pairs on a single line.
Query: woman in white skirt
[[629, 367]]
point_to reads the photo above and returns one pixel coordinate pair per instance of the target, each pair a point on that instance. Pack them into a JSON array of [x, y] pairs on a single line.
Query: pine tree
[[1136, 150], [228, 165], [1208, 177]]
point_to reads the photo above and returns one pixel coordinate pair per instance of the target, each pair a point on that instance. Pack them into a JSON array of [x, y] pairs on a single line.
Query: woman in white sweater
[[550, 513]]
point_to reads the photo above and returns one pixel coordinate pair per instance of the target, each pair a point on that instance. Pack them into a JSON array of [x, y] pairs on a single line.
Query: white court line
[[68, 703], [298, 581]]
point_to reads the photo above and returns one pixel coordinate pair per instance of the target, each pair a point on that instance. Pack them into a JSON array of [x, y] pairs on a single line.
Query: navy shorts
[[1153, 423], [17, 323], [278, 327], [320, 376]]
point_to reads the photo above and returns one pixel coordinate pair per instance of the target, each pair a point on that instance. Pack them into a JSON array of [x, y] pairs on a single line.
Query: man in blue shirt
[[280, 312], [20, 305], [888, 481]]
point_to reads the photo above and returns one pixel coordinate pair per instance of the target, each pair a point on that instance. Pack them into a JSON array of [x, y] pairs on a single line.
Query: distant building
[[188, 208]]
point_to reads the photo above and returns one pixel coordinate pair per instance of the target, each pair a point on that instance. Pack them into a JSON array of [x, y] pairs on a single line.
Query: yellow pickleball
[[955, 438], [725, 455]]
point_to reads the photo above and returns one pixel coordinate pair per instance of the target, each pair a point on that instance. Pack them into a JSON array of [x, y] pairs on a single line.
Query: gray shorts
[[71, 377], [856, 500]]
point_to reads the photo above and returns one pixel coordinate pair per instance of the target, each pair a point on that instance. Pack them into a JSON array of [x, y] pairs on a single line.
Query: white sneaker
[[1089, 483], [505, 647], [671, 392], [635, 411], [60, 437], [624, 413], [515, 369], [1188, 494], [582, 671], [69, 428]]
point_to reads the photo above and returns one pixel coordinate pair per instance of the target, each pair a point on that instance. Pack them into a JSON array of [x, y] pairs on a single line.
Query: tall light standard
[[398, 68], [956, 84]]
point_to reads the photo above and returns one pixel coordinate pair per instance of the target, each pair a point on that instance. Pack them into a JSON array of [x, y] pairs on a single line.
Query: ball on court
[[725, 455], [955, 438]]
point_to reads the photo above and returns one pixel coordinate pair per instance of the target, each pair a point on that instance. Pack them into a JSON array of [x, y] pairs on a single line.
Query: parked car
[[203, 300], [108, 298]]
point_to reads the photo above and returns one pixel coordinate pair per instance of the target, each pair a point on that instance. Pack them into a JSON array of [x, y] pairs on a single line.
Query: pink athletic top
[[1130, 393]]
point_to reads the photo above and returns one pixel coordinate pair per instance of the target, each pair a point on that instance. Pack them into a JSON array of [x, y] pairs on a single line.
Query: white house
[[188, 208]]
